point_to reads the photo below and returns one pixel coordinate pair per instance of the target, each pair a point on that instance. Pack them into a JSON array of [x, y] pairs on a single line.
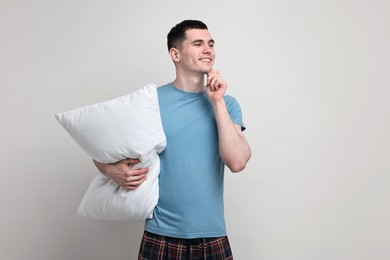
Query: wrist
[[218, 104]]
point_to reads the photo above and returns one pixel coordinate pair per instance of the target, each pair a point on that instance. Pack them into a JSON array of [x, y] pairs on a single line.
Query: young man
[[204, 128]]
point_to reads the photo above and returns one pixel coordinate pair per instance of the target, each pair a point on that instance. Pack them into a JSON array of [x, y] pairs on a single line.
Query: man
[[204, 128]]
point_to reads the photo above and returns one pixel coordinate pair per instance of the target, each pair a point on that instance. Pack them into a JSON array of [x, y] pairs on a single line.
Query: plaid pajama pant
[[156, 247]]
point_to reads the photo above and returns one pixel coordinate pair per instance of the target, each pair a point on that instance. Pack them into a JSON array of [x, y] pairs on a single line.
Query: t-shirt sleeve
[[234, 110]]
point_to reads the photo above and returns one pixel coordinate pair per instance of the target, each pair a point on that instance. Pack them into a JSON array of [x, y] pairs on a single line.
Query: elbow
[[236, 168], [237, 165]]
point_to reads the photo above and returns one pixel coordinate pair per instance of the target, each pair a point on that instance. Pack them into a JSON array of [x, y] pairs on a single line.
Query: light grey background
[[312, 78]]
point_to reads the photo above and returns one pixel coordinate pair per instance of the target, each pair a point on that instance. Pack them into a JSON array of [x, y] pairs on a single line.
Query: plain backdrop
[[312, 78]]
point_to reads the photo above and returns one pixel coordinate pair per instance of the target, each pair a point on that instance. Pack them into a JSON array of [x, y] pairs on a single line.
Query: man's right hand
[[123, 174]]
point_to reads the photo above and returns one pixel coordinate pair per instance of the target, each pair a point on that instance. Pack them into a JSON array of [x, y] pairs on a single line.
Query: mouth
[[206, 59]]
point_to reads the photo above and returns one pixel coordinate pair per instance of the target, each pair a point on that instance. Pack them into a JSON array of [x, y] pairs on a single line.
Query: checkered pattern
[[156, 247]]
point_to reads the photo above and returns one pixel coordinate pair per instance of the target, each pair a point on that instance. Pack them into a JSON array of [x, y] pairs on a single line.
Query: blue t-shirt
[[191, 178]]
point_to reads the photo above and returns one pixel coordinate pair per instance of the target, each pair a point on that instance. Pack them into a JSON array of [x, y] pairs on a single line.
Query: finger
[[131, 161], [211, 75], [133, 185], [136, 172], [215, 83], [208, 80], [214, 75], [132, 179]]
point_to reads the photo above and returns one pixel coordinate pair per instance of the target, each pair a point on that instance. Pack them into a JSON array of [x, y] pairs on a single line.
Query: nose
[[207, 49]]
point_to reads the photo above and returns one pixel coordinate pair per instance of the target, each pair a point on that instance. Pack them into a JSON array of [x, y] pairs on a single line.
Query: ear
[[175, 54]]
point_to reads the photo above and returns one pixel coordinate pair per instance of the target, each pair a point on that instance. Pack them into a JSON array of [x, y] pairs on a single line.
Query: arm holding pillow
[[123, 174], [111, 132]]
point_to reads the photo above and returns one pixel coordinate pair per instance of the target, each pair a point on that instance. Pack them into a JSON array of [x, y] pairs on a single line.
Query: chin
[[207, 69]]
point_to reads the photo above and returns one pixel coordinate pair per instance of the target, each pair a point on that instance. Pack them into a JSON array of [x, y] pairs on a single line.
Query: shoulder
[[163, 88], [234, 110], [165, 92]]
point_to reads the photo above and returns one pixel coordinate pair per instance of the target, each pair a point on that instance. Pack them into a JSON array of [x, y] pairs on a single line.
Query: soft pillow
[[125, 127]]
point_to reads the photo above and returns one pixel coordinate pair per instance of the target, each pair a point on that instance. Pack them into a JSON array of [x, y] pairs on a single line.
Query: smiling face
[[196, 53]]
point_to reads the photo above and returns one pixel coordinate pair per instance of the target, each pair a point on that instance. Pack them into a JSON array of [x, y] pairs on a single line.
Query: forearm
[[101, 166], [233, 147], [122, 173]]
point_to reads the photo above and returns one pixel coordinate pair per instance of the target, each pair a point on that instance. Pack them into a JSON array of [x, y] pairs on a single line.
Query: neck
[[187, 83]]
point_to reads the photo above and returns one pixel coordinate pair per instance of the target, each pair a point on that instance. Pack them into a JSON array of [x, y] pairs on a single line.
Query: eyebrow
[[201, 41]]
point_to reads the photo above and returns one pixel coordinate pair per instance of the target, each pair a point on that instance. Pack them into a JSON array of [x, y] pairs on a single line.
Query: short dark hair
[[176, 35]]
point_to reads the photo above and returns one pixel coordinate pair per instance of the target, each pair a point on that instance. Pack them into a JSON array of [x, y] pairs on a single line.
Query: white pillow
[[125, 127]]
